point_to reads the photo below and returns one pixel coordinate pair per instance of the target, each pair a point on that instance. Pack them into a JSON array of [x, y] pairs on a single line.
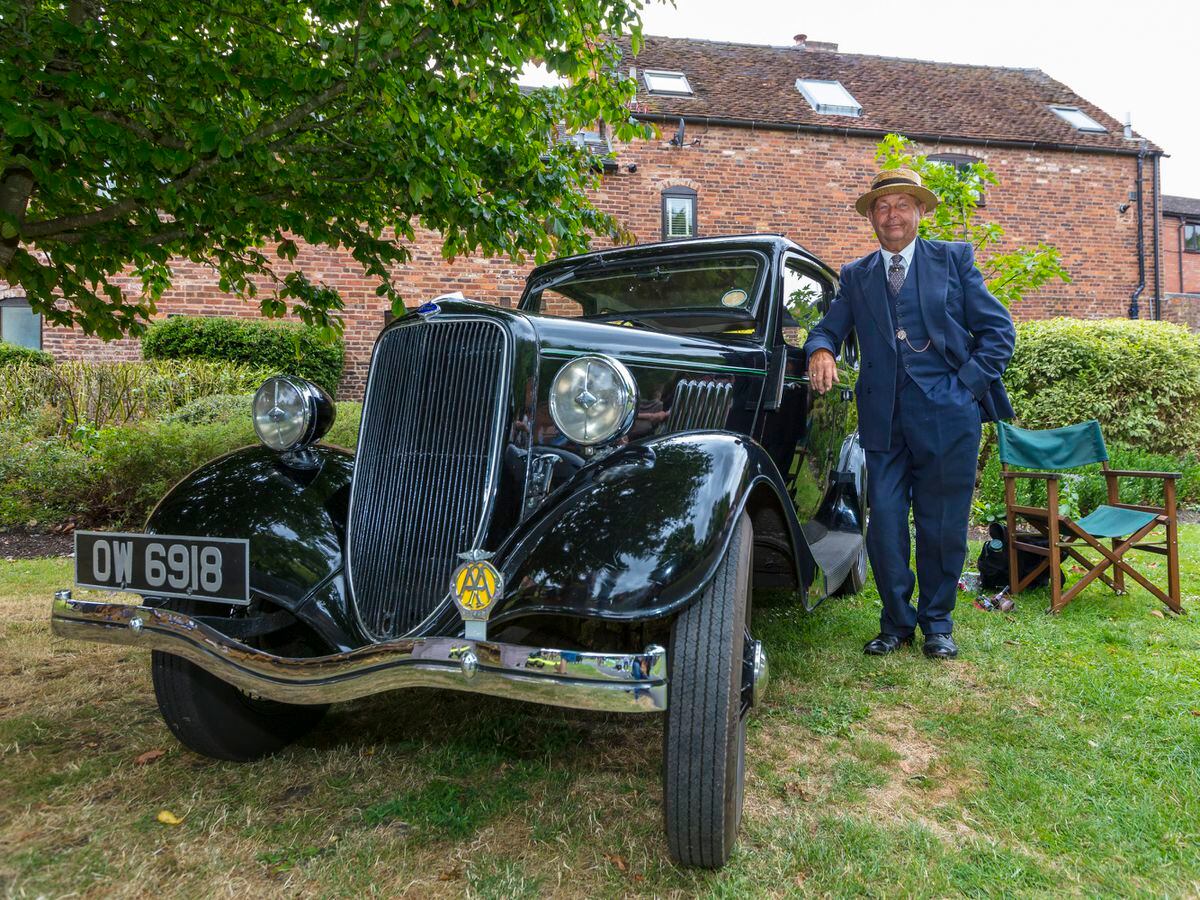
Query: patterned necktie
[[896, 274]]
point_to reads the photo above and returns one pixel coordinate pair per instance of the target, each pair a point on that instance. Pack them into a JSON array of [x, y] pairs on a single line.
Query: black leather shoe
[[883, 644], [940, 646]]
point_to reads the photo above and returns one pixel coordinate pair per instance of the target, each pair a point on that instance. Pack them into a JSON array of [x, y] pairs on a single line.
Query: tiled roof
[[1180, 206], [909, 96]]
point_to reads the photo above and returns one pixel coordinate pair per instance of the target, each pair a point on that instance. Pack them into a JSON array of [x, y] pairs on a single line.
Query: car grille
[[426, 466], [698, 405]]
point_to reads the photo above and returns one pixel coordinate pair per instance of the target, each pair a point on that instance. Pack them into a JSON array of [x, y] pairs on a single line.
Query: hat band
[[892, 181]]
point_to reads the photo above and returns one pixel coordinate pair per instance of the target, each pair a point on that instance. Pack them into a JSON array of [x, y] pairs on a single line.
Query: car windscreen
[[709, 294]]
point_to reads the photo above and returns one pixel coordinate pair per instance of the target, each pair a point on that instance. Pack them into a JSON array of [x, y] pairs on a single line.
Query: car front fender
[[295, 519], [640, 534]]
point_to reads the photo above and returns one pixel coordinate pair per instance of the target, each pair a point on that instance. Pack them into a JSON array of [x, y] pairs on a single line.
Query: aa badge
[[475, 586]]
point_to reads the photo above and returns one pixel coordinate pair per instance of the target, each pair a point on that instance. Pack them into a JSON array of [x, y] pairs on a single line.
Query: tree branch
[[141, 131], [16, 187]]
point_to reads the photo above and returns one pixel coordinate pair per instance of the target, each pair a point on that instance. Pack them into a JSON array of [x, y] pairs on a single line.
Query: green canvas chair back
[[1054, 448]]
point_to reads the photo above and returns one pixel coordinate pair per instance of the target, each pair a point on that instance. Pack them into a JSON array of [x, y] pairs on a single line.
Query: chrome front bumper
[[600, 681]]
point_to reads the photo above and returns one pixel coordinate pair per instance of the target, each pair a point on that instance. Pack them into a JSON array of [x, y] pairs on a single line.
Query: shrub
[[97, 395], [285, 348], [116, 476], [217, 408], [1141, 380], [11, 354]]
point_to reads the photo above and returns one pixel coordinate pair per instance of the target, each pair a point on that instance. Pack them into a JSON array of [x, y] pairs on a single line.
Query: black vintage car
[[567, 503]]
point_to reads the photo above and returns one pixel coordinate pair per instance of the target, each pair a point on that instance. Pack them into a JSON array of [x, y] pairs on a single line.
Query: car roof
[[767, 242]]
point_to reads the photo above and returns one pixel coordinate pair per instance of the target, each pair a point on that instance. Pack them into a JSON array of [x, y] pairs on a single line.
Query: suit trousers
[[930, 468]]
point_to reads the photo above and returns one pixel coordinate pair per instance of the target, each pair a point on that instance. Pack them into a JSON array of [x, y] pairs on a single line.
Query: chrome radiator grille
[[426, 467], [698, 405]]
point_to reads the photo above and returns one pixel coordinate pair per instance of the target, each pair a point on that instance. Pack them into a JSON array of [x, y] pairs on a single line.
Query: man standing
[[934, 343]]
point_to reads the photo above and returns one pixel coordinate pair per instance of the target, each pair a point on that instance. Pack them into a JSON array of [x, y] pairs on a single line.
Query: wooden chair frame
[[1064, 536]]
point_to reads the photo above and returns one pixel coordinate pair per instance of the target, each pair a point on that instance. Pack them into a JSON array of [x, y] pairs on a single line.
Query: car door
[[805, 434]]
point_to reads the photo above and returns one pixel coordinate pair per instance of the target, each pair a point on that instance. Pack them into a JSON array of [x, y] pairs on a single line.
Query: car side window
[[556, 304], [806, 297]]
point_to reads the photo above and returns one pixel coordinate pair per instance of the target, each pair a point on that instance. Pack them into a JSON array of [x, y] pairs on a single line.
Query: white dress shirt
[[906, 253]]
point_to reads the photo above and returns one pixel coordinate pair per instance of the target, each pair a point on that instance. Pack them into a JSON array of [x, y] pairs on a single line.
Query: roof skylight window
[[829, 97], [674, 83], [1077, 118]]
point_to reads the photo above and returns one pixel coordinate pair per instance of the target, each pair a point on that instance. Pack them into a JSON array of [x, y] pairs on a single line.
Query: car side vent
[[699, 404]]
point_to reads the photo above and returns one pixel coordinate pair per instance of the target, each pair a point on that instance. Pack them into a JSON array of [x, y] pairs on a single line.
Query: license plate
[[164, 565]]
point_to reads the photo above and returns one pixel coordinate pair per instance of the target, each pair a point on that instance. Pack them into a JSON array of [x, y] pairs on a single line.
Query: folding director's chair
[[1126, 525]]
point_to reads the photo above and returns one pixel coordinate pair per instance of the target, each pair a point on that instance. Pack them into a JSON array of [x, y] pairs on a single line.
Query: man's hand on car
[[822, 370]]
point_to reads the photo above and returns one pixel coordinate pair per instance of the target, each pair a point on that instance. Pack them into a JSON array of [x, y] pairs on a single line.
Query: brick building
[[1181, 259], [782, 139]]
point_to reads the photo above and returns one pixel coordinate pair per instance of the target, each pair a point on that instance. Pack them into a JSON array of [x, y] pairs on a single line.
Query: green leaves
[[1009, 276], [213, 132]]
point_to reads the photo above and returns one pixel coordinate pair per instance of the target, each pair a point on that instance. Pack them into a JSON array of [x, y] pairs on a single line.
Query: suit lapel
[[875, 295], [933, 281]]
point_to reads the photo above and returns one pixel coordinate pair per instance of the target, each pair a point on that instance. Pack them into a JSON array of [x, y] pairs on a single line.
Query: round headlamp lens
[[282, 413], [592, 399]]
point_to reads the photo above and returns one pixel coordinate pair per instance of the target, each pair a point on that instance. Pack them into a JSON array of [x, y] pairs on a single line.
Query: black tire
[[704, 740], [216, 719]]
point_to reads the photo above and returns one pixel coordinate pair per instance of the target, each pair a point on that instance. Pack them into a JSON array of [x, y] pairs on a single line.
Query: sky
[[1132, 57]]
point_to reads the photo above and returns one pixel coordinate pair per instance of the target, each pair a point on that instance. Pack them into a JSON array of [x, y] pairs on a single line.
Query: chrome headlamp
[[593, 399], [290, 413]]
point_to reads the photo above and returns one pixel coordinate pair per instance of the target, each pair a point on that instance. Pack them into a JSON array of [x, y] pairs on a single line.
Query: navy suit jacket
[[969, 327]]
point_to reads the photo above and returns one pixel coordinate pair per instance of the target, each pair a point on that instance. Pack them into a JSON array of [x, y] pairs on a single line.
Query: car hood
[[642, 348]]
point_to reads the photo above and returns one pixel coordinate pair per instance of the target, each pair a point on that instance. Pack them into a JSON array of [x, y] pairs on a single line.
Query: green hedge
[[1140, 379], [282, 347], [71, 394], [214, 409], [11, 354], [113, 479]]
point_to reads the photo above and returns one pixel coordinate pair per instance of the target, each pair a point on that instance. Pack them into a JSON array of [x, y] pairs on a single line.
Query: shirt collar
[[907, 253]]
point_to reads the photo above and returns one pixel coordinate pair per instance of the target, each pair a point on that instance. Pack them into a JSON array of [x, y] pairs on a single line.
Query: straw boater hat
[[896, 181]]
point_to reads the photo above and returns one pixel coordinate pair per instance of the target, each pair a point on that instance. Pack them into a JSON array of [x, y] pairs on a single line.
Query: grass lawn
[[1058, 755]]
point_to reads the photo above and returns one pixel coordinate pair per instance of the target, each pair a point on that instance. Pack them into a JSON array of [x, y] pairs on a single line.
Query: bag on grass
[[993, 560]]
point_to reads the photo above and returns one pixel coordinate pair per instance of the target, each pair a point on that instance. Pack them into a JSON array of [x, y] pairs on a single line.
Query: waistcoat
[[928, 369]]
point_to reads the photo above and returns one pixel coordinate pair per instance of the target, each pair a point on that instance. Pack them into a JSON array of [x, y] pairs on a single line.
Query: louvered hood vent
[[699, 405]]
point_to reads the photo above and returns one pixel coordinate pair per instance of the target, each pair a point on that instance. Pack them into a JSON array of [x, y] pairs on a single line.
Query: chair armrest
[[1135, 474], [1041, 476]]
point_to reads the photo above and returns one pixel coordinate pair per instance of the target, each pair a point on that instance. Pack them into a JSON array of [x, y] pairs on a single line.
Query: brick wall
[[1181, 270], [802, 185]]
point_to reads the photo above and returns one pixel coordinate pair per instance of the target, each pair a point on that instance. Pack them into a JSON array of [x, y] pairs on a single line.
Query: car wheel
[[216, 719], [704, 741]]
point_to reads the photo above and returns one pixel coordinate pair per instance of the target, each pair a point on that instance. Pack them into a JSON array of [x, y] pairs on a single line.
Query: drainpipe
[[1141, 238], [1157, 251]]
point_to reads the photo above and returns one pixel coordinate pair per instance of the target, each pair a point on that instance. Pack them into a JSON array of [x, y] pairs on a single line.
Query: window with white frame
[[19, 324], [828, 97], [1077, 118], [678, 213], [672, 83]]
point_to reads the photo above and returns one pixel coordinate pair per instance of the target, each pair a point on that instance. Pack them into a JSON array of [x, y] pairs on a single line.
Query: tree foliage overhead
[[132, 132], [1010, 275]]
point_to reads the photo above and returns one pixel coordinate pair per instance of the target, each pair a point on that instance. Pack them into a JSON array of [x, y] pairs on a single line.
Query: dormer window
[[829, 98], [1077, 118], [671, 84]]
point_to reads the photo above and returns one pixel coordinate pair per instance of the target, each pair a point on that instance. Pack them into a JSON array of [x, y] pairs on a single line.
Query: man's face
[[895, 218]]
